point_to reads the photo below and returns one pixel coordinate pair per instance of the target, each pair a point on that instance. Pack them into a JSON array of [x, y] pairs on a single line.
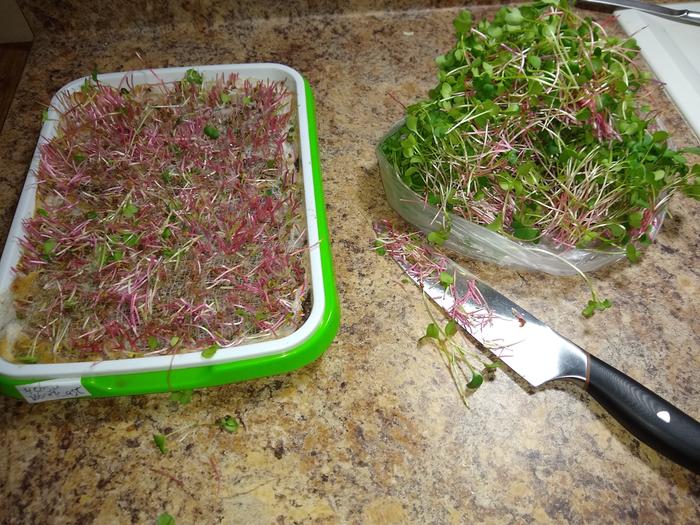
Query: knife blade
[[677, 15], [539, 354]]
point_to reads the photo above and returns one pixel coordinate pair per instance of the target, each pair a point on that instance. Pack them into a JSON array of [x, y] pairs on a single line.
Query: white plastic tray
[[25, 209]]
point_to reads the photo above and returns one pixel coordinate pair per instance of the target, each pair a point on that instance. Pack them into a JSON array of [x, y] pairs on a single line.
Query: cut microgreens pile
[[423, 263], [169, 218], [536, 131]]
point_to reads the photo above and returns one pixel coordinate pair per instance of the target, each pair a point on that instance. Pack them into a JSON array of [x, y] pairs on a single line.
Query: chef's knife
[[539, 354]]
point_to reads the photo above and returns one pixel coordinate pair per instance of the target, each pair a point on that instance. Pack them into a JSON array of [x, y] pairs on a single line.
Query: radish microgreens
[[169, 219], [534, 130]]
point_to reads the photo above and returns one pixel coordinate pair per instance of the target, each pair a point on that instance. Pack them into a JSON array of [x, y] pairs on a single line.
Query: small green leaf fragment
[[476, 380], [228, 423], [412, 123], [159, 440], [211, 132], [28, 359], [174, 340], [692, 190], [438, 237], [42, 212], [534, 61], [193, 77], [165, 519], [379, 247], [129, 210], [635, 219], [48, 246], [632, 253], [79, 157], [450, 328], [463, 22], [209, 351], [445, 90], [446, 279], [432, 331], [152, 342]]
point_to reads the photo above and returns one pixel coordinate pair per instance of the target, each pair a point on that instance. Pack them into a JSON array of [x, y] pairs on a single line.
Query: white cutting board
[[672, 50]]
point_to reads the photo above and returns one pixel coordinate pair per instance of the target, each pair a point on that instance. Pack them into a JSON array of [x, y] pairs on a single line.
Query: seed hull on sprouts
[[169, 218]]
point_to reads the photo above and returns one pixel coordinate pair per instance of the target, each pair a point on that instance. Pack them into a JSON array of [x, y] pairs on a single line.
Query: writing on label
[[53, 389]]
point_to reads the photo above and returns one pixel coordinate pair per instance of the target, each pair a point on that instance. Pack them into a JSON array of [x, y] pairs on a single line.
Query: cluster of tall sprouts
[[424, 264]]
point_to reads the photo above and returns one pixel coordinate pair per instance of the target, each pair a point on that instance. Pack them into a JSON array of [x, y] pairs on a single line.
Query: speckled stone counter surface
[[373, 432]]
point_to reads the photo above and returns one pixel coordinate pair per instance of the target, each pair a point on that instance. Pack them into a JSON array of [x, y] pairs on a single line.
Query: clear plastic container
[[476, 241]]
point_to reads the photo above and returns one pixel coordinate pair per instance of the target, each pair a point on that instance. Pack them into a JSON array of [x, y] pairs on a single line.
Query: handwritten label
[[53, 389]]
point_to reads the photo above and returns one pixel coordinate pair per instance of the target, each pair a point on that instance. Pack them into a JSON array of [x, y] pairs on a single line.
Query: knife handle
[[649, 417]]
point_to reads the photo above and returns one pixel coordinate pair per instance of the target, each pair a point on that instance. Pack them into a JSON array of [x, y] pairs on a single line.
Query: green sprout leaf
[[228, 423], [129, 210], [432, 331], [193, 77], [28, 359], [463, 22], [159, 440], [446, 279], [450, 328], [210, 351], [174, 340], [153, 342], [534, 62], [165, 519], [438, 237], [211, 132], [48, 247], [379, 247], [412, 123], [632, 253], [476, 380]]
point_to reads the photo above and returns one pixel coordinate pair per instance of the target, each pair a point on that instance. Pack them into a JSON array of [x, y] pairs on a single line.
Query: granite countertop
[[374, 431]]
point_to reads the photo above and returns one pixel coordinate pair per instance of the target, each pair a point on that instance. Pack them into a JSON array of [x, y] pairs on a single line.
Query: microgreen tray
[[143, 375]]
